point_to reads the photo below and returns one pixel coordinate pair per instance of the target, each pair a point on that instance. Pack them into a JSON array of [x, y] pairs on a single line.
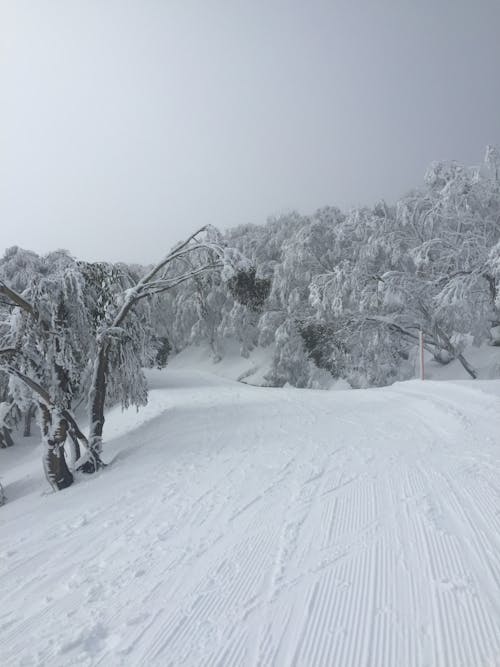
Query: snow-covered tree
[[359, 286], [86, 329], [43, 352]]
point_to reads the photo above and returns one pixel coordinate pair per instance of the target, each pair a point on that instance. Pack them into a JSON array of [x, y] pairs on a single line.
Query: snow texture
[[252, 526]]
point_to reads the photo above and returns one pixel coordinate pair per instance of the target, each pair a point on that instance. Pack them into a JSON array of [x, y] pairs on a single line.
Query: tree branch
[[44, 396], [17, 300], [8, 350]]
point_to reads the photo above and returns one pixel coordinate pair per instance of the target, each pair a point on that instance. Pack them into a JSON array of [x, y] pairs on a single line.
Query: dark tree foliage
[[249, 290], [163, 350], [322, 345], [104, 280]]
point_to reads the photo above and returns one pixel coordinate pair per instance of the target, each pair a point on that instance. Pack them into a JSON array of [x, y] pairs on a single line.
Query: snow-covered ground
[[253, 369], [242, 526]]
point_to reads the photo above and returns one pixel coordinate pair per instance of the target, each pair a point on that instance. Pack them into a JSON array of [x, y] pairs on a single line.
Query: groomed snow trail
[[240, 526]]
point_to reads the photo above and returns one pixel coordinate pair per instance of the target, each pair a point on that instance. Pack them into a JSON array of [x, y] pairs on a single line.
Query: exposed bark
[[28, 418], [450, 348], [72, 445], [54, 433], [98, 399], [5, 429], [44, 395], [18, 300], [5, 438]]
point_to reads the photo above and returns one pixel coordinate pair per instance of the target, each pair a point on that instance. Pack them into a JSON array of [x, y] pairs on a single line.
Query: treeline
[[345, 294], [335, 294]]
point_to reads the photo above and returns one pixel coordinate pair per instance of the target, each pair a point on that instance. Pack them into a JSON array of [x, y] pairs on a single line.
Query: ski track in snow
[[261, 527]]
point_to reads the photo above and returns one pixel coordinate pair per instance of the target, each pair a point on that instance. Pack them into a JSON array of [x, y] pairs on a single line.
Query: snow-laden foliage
[[75, 332], [349, 292], [50, 334], [336, 294]]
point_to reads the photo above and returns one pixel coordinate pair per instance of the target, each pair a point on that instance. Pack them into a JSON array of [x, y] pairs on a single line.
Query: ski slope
[[244, 526]]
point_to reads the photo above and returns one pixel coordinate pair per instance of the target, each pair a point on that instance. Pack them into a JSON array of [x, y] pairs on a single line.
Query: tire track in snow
[[233, 653], [307, 486], [345, 621], [239, 599], [459, 518], [461, 625], [461, 576], [230, 590]]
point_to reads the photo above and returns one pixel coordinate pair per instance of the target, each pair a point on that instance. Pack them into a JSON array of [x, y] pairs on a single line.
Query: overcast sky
[[126, 124]]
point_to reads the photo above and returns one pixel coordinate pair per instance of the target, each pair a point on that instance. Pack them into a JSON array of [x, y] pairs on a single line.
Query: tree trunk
[[72, 448], [98, 398], [5, 438], [28, 418], [450, 348], [54, 433]]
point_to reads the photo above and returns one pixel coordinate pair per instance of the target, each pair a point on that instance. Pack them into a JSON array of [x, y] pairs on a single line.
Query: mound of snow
[[485, 360], [251, 370]]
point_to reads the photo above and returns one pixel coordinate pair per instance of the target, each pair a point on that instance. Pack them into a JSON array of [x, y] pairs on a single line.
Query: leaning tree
[[64, 339]]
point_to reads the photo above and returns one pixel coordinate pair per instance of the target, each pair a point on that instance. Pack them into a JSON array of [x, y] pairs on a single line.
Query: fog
[[125, 125]]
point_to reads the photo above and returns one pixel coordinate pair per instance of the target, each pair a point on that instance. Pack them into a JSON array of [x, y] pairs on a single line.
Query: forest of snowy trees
[[347, 293], [335, 294]]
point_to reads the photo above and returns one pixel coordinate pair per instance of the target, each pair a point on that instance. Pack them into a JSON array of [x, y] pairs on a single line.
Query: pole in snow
[[421, 346]]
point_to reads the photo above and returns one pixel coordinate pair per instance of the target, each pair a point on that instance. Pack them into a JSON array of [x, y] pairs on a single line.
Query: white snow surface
[[253, 369], [233, 366], [246, 526]]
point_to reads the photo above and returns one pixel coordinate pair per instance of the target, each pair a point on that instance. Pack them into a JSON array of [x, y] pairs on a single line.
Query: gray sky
[[126, 124]]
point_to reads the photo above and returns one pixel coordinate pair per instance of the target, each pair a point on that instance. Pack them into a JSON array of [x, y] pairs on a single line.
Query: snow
[[232, 366], [484, 359], [240, 525], [253, 369]]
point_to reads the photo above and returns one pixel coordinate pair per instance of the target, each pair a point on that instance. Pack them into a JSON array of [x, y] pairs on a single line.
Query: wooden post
[[421, 346]]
